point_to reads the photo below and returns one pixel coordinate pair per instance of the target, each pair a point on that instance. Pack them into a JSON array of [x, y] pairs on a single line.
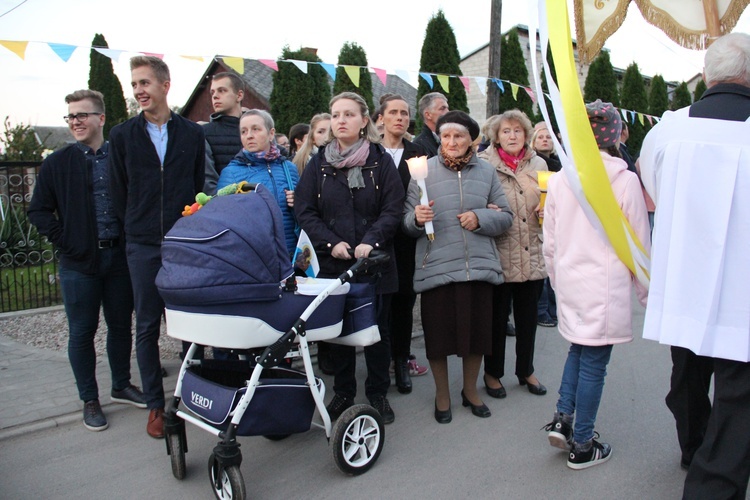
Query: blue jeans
[[83, 294], [145, 262], [582, 385], [547, 307]]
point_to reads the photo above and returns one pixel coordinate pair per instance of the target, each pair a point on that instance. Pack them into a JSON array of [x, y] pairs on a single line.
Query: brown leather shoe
[[155, 425]]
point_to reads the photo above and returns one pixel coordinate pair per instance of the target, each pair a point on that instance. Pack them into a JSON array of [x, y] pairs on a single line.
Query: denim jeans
[[547, 307], [582, 385], [83, 294], [145, 262]]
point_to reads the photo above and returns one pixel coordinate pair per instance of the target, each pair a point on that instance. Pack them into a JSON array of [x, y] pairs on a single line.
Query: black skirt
[[457, 319]]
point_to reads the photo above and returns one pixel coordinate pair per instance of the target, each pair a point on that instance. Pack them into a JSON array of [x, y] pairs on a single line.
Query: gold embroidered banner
[[683, 21]]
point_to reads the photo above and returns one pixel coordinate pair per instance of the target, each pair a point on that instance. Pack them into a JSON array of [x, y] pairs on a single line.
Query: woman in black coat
[[395, 115], [350, 198]]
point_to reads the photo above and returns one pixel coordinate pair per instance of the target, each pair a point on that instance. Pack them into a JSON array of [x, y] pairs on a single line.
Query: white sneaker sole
[[590, 463], [95, 429], [558, 440], [128, 402]]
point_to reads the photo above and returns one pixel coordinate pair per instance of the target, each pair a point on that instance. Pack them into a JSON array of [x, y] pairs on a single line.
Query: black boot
[[403, 379]]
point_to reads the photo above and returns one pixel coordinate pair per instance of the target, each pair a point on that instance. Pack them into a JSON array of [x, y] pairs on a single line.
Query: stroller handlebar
[[371, 263]]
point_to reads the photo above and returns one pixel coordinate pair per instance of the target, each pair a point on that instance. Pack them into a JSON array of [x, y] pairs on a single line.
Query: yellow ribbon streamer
[[586, 157]]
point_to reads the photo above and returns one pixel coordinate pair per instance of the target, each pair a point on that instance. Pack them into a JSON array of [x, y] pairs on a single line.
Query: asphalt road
[[504, 456]]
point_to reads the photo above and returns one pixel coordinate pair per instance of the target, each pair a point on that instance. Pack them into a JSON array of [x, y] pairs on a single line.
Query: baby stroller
[[227, 282]]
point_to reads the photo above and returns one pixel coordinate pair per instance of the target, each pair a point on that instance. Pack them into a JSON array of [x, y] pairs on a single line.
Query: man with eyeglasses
[[158, 160], [72, 207]]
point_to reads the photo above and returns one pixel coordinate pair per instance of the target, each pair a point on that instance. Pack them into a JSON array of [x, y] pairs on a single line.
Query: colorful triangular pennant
[[62, 50], [330, 69], [236, 63], [270, 63], [428, 78], [18, 48], [353, 73], [381, 74], [112, 54], [301, 65], [444, 81]]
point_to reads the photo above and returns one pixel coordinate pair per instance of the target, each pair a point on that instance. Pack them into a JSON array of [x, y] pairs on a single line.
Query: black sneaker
[[131, 395], [381, 404], [93, 416], [559, 432], [338, 405], [598, 453]]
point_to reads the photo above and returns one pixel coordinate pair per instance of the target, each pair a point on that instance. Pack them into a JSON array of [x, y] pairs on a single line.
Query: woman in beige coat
[[520, 250]]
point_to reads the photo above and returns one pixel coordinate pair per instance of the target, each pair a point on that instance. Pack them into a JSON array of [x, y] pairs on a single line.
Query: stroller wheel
[[230, 484], [358, 439], [177, 455], [276, 437]]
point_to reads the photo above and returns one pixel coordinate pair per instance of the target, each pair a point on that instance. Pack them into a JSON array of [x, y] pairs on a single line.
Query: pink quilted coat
[[593, 287]]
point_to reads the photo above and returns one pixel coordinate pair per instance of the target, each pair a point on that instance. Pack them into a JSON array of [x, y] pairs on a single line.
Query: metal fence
[[28, 262]]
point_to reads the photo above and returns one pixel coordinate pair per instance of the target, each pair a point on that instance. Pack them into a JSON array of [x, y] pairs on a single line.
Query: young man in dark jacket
[[158, 160], [223, 131], [72, 207]]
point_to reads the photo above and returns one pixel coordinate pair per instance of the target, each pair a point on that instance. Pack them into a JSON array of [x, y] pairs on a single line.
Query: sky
[[32, 90]]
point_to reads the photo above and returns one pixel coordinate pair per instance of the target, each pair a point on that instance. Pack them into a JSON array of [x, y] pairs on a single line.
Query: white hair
[[728, 59], [453, 126]]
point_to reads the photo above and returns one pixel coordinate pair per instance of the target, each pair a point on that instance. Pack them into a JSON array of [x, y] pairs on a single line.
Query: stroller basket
[[282, 403]]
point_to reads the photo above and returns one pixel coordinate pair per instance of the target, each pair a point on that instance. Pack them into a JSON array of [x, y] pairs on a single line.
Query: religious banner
[[688, 23]]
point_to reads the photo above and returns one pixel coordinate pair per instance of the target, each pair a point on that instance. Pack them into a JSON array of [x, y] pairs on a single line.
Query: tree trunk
[[493, 92]]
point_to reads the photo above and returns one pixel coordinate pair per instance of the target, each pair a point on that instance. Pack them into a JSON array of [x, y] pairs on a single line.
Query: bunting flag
[[301, 65], [465, 81], [514, 90], [330, 69], [585, 170], [640, 118], [65, 52], [650, 120], [270, 63], [482, 84], [444, 81], [427, 77], [62, 50], [404, 75], [353, 73], [112, 54], [381, 74], [236, 63], [18, 48]]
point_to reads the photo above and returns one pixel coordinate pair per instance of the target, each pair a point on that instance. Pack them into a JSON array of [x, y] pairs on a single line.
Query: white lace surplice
[[697, 171]]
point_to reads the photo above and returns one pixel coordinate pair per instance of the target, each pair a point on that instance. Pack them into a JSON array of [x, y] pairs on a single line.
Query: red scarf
[[510, 160]]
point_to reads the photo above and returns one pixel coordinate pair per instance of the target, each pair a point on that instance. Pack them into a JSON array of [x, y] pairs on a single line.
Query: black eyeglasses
[[81, 117]]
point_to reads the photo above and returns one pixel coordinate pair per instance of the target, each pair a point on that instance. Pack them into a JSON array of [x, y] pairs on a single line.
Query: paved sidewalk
[[38, 391]]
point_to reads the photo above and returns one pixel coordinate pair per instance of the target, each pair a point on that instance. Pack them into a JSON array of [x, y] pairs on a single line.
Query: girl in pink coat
[[593, 290]]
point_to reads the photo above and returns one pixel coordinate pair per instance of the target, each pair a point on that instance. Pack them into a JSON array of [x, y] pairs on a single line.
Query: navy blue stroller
[[227, 282]]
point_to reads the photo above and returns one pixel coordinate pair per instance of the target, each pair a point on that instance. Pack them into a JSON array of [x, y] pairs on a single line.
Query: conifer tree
[[681, 97], [700, 88], [513, 69], [634, 98], [658, 102], [102, 77], [440, 56], [354, 55], [601, 81], [297, 96]]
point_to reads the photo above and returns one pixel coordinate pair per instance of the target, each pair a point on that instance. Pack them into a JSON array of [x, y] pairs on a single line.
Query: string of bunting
[[65, 51]]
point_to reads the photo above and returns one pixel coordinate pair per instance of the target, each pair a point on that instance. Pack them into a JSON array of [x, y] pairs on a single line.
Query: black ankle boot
[[403, 379]]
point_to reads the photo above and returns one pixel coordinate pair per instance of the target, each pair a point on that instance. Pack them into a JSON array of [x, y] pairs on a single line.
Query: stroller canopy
[[232, 250]]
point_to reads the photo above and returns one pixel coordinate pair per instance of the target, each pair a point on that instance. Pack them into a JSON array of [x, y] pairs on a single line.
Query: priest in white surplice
[[695, 164]]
